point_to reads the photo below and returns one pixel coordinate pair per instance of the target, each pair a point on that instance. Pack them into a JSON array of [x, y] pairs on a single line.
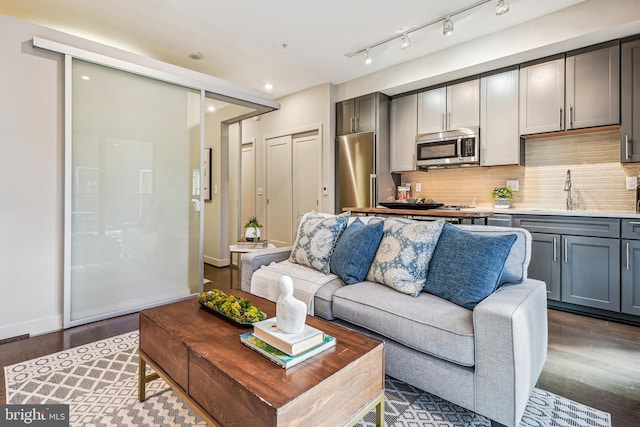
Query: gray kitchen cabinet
[[545, 262], [591, 272], [404, 126], [630, 268], [592, 83], [593, 86], [356, 115], [542, 96], [578, 258], [499, 133], [630, 117], [450, 107]]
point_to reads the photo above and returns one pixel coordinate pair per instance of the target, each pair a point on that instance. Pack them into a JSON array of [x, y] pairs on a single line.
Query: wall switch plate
[[418, 187], [513, 184], [632, 182]]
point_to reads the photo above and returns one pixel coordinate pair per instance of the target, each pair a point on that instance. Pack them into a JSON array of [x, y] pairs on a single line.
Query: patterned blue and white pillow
[[316, 239], [403, 256]]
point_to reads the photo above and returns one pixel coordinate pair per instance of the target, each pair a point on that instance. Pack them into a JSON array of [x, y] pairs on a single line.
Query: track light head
[[404, 41], [502, 7], [447, 27], [367, 57]]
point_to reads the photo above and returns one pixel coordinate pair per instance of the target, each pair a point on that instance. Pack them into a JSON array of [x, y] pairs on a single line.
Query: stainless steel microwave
[[459, 147]]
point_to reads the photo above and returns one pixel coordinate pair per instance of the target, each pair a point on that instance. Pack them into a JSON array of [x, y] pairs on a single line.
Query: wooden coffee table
[[200, 356]]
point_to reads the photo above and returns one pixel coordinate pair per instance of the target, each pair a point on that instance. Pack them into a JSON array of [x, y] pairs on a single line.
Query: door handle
[[626, 147], [560, 118], [627, 255], [555, 250], [571, 116]]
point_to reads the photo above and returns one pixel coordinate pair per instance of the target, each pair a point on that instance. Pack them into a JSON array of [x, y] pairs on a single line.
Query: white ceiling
[[293, 44]]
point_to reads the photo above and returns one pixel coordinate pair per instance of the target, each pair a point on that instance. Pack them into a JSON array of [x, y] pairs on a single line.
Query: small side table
[[242, 249]]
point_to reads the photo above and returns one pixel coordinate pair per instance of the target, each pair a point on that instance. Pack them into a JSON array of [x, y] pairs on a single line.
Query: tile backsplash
[[597, 176]]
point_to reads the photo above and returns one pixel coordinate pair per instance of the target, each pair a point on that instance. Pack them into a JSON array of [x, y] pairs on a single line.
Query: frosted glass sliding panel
[[134, 186]]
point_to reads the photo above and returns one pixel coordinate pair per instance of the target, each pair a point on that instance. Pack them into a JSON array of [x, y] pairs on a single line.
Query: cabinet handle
[[626, 147], [560, 118], [442, 120], [566, 251], [571, 117], [449, 121], [357, 124], [351, 128], [555, 250], [634, 222], [627, 255]]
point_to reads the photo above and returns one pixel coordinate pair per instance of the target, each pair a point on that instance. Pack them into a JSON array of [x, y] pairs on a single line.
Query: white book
[[292, 344]]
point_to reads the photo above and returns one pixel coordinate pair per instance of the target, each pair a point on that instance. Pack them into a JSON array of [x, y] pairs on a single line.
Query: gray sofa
[[487, 359]]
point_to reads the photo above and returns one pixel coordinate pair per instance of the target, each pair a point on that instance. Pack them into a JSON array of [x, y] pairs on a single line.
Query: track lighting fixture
[[404, 41], [447, 26], [367, 57], [502, 7]]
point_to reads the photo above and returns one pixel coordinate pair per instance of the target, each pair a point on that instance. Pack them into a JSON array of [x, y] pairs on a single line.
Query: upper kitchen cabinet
[[356, 115], [542, 96], [592, 82], [630, 120], [593, 87], [499, 136], [450, 107], [404, 126]]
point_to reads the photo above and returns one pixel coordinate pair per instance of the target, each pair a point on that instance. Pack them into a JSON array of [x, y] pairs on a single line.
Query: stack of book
[[286, 350]]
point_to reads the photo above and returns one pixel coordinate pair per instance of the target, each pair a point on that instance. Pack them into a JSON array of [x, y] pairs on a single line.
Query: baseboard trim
[[216, 262], [39, 326]]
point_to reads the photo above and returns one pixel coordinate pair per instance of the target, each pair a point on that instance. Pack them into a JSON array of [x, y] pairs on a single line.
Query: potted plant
[[252, 230], [502, 197]]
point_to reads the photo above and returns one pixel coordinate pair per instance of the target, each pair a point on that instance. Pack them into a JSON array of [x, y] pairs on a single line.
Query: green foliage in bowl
[[502, 193], [236, 308]]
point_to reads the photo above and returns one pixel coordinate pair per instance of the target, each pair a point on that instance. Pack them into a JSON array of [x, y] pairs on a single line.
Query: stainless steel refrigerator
[[362, 171]]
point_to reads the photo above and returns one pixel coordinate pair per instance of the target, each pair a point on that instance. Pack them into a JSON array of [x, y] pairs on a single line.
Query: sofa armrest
[[510, 329], [254, 260]]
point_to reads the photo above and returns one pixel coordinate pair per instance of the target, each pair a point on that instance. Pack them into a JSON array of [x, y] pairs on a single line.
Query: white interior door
[[248, 197], [307, 191], [279, 191]]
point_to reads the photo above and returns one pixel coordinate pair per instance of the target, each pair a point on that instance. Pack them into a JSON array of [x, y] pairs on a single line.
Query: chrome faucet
[[567, 188]]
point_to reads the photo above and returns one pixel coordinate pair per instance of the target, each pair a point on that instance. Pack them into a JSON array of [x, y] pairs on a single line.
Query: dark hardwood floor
[[591, 361]]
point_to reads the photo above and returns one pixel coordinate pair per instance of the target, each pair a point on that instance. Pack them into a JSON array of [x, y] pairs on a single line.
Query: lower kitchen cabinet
[[591, 272], [578, 269], [545, 262], [630, 277]]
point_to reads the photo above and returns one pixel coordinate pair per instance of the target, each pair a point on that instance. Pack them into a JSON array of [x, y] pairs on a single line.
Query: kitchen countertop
[[559, 212], [439, 213]]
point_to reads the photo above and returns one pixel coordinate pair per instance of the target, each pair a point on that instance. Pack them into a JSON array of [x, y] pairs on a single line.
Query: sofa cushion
[[517, 263], [427, 323], [316, 238], [466, 267], [402, 259], [355, 250]]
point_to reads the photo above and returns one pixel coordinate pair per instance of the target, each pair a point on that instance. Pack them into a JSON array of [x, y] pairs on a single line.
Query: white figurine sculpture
[[290, 311]]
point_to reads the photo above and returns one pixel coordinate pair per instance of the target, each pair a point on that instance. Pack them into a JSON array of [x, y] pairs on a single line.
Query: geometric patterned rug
[[99, 382]]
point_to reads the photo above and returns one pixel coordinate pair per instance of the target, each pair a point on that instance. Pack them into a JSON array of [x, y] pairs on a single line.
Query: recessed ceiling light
[[196, 56], [268, 86], [85, 78], [211, 108]]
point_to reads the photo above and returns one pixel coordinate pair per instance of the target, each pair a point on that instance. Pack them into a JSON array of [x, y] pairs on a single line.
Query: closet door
[[279, 190], [306, 170]]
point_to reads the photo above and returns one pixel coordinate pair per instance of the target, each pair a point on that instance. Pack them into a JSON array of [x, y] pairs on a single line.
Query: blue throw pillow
[[355, 250], [466, 267]]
